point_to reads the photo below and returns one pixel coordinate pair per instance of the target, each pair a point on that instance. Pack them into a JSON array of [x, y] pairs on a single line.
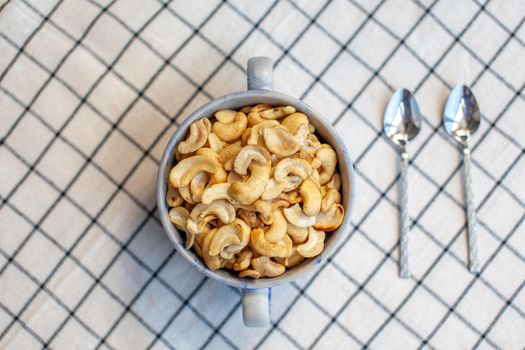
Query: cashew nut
[[293, 121], [182, 173], [220, 175], [225, 116], [185, 193], [197, 185], [292, 197], [291, 261], [280, 142], [249, 190], [198, 136], [179, 216], [335, 182], [311, 195], [213, 262], [244, 236], [250, 217], [257, 131], [328, 159], [244, 260], [266, 267], [221, 209], [215, 143], [246, 109], [260, 108], [272, 190], [250, 273], [230, 131], [233, 177], [308, 142], [278, 203], [259, 244], [296, 166], [229, 151], [295, 216], [331, 219], [202, 214], [296, 233], [331, 198], [225, 236], [248, 154], [215, 192], [254, 118], [277, 113], [314, 245], [245, 134], [277, 229], [173, 197]]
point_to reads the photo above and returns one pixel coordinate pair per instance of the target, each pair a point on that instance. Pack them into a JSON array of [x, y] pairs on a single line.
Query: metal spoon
[[401, 124], [461, 119]]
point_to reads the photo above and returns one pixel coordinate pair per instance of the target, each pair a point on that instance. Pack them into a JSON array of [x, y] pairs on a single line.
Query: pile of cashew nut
[[255, 190]]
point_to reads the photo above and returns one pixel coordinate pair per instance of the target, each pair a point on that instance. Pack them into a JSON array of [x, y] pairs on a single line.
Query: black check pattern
[[101, 85]]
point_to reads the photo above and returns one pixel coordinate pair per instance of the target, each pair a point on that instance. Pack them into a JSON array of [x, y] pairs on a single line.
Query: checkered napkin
[[91, 90]]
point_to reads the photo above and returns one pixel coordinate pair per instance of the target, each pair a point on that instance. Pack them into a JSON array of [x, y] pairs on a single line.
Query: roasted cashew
[[244, 260], [314, 245], [173, 197], [335, 182], [250, 217], [296, 233], [328, 159], [220, 175], [266, 267], [185, 193], [331, 198], [230, 131], [250, 273], [311, 194], [225, 116], [291, 261], [258, 129], [254, 118], [249, 190], [280, 141], [296, 166], [293, 121], [277, 229], [197, 185], [182, 173], [248, 154], [197, 137], [331, 219], [259, 244], [215, 143], [297, 217], [213, 262], [277, 113], [215, 192]]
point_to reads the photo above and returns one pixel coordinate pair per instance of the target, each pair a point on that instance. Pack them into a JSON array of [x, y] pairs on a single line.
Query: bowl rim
[[345, 166]]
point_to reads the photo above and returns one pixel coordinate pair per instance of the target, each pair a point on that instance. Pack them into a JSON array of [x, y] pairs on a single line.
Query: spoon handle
[[404, 254], [473, 251]]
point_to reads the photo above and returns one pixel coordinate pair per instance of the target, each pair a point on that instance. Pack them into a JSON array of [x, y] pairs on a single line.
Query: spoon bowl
[[402, 119], [461, 115]]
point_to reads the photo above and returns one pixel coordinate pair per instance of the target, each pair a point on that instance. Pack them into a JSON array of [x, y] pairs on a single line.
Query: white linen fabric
[[91, 90]]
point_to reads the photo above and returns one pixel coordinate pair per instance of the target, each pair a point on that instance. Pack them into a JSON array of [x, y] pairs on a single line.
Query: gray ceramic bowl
[[256, 292]]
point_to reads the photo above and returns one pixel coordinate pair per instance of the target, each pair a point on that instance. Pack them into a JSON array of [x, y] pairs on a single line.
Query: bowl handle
[[260, 73], [256, 307]]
